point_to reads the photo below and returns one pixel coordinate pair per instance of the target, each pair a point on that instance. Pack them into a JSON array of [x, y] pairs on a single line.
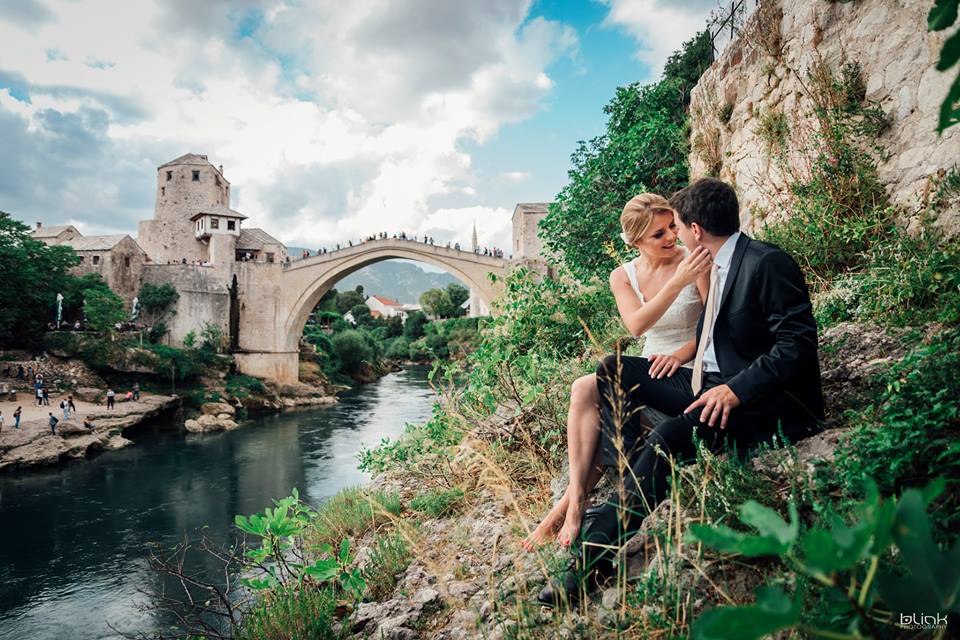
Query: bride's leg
[[583, 433], [585, 468]]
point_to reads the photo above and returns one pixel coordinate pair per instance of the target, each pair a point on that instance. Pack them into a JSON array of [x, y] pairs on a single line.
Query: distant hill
[[402, 281]]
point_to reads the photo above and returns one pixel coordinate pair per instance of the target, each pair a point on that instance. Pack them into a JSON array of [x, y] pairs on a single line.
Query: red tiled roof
[[386, 301]]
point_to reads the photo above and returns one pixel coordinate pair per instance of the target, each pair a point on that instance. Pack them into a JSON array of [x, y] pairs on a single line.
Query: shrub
[[352, 512], [399, 349], [389, 558], [352, 348], [439, 503], [304, 612]]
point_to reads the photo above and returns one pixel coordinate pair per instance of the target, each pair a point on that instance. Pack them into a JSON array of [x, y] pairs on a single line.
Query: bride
[[659, 296]]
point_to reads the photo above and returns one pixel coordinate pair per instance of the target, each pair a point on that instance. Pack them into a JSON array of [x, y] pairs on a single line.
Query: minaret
[[473, 240]]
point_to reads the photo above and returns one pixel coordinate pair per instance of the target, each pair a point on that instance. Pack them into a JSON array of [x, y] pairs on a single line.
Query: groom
[[755, 376]]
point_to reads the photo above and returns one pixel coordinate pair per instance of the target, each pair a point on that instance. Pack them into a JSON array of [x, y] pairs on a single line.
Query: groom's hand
[[717, 402]]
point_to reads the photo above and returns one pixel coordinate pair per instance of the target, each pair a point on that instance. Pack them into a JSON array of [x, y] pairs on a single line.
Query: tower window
[[269, 257], [169, 176], [214, 223], [163, 191], [231, 225], [126, 261], [216, 179], [96, 259], [196, 175]]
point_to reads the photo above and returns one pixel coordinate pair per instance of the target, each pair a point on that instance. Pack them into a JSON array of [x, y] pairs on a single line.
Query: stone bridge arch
[[277, 299]]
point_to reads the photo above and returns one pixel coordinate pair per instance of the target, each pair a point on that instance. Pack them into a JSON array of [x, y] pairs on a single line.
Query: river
[[73, 540]]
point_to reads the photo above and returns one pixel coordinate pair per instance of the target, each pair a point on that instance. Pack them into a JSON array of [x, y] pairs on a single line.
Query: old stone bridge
[[274, 303]]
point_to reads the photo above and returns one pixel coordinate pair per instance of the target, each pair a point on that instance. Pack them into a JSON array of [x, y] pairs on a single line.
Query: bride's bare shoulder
[[618, 276]]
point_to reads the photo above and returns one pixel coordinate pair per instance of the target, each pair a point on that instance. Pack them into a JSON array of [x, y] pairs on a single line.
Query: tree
[[103, 309], [458, 295], [31, 275], [413, 328], [435, 302], [942, 16], [348, 300], [361, 314], [644, 148], [352, 349], [157, 300], [394, 326]]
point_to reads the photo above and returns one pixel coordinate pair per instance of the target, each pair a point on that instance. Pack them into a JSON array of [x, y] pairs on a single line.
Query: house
[[256, 245], [55, 234], [385, 307]]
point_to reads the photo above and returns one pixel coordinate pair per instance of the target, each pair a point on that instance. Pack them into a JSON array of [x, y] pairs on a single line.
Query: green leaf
[[950, 54], [932, 582], [323, 570], [726, 540], [942, 15], [769, 523], [773, 611], [841, 548]]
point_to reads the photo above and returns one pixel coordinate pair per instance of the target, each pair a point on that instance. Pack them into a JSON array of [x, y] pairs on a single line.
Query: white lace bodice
[[676, 326]]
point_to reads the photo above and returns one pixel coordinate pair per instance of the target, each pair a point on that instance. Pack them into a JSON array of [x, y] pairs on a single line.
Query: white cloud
[[658, 26], [515, 176], [333, 120]]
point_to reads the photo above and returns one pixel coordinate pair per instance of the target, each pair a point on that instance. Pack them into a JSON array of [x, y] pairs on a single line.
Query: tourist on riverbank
[[53, 423], [39, 392], [65, 408], [136, 390], [16, 417], [111, 398], [87, 424], [1, 420], [20, 372], [70, 404], [46, 397]]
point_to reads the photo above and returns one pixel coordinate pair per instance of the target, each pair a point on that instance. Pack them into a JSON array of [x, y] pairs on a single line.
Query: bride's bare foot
[[545, 531], [571, 523]]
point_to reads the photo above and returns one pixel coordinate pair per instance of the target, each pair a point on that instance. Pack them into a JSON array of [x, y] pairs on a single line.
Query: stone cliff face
[[765, 71]]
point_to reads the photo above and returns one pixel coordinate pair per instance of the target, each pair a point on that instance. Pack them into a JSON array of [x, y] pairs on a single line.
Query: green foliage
[[398, 349], [440, 431], [158, 300], [31, 275], [838, 210], [213, 337], [102, 309], [413, 328], [352, 512], [352, 349], [389, 558], [241, 386], [942, 16], [282, 531], [773, 129], [841, 562], [362, 316], [347, 300], [305, 613], [437, 503], [190, 339], [445, 303], [644, 148], [913, 430]]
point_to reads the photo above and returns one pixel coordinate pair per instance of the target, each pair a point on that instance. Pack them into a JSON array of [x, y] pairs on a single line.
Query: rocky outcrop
[[33, 445], [214, 416]]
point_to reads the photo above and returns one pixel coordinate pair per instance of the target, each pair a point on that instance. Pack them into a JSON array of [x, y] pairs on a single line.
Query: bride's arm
[[637, 317]]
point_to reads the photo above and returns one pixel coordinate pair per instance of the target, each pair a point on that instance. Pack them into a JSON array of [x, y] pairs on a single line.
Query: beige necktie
[[707, 330]]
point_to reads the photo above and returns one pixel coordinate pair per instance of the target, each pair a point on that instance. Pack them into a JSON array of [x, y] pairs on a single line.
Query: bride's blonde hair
[[638, 213]]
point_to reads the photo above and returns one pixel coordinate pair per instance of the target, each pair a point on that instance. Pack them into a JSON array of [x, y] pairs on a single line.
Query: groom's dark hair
[[711, 203]]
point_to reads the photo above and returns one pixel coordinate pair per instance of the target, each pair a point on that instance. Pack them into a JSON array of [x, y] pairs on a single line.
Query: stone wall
[[204, 297], [888, 38]]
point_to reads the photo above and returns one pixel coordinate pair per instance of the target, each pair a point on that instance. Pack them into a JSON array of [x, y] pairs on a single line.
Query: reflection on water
[[73, 540]]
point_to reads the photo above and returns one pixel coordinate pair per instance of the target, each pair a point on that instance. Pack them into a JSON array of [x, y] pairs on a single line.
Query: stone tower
[[527, 247], [185, 186]]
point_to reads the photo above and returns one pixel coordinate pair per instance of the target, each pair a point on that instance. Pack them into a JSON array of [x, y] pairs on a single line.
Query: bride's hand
[[663, 365], [693, 266]]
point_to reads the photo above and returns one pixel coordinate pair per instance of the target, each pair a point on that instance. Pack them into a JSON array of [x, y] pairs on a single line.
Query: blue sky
[[332, 119]]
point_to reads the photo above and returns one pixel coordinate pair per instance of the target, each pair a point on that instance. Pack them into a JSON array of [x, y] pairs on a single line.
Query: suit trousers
[[643, 454]]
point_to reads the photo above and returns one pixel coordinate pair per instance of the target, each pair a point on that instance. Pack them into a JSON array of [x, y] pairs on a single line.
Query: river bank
[[59, 578]]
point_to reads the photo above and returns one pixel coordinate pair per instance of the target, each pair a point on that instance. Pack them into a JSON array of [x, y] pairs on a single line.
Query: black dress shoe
[[574, 583]]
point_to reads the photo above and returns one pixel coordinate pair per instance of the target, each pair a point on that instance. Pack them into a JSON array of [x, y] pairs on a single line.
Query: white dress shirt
[[722, 260]]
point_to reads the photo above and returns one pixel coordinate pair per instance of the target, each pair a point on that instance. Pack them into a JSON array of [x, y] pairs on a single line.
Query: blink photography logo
[[924, 621]]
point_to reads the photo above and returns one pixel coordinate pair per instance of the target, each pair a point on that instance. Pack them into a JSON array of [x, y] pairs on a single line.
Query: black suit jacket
[[765, 339]]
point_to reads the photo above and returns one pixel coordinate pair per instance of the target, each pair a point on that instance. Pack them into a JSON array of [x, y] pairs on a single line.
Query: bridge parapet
[[401, 245]]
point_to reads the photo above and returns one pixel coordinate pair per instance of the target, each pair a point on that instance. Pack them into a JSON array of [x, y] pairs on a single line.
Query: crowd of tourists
[[494, 252]]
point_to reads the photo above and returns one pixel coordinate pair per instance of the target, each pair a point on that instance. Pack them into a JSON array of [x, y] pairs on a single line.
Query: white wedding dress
[[676, 326]]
